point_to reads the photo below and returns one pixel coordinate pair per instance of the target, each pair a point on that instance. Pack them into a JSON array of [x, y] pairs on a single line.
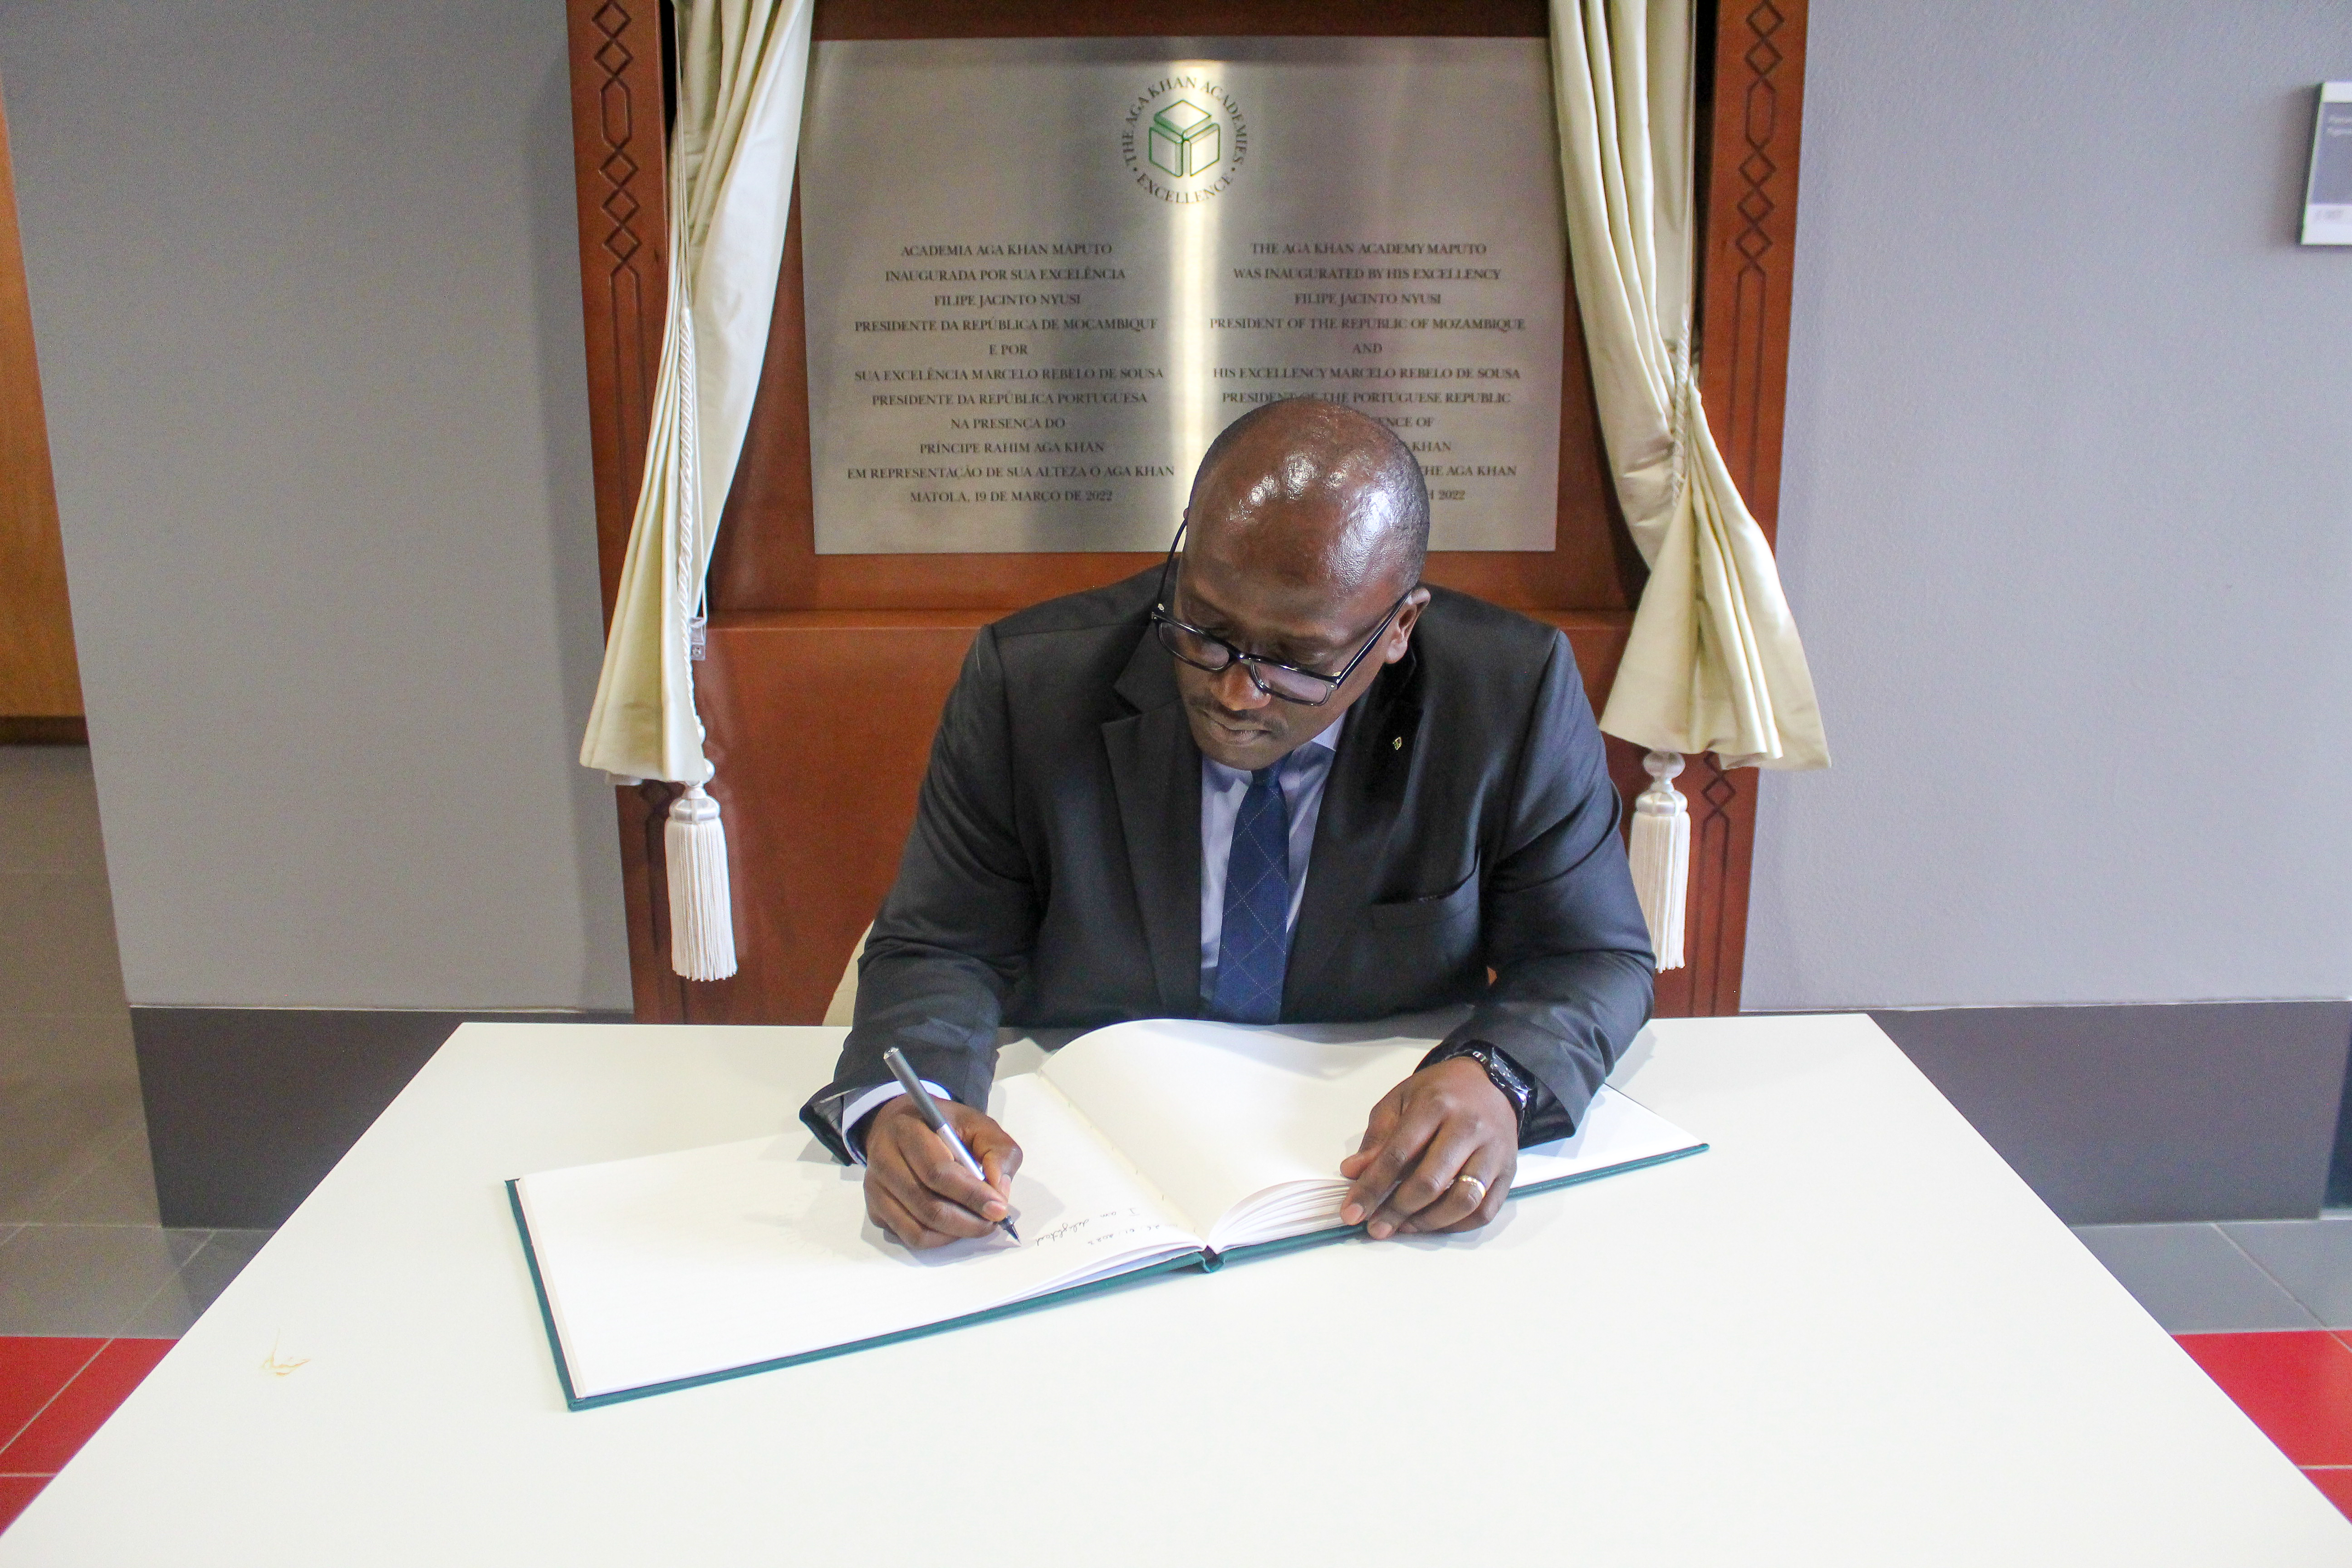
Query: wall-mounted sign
[[2327, 199], [1042, 274]]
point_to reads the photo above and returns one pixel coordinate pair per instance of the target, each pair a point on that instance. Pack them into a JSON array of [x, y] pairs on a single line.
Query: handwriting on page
[[1101, 1229]]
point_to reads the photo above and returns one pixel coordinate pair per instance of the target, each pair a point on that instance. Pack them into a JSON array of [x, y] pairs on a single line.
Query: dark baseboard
[[247, 1107], [48, 730], [2194, 1111], [2339, 1169], [2187, 1112]]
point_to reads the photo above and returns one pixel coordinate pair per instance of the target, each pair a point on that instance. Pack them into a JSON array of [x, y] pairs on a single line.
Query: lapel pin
[[1397, 744]]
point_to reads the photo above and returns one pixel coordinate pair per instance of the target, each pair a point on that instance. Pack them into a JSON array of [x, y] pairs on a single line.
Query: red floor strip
[[32, 1370], [58, 1433], [15, 1492], [2298, 1387], [54, 1393], [2337, 1484]]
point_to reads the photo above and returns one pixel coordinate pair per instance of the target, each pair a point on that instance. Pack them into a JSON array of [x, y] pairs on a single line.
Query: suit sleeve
[[955, 935], [1563, 933]]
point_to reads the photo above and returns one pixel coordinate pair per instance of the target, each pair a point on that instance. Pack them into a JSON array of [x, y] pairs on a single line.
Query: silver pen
[[936, 1120]]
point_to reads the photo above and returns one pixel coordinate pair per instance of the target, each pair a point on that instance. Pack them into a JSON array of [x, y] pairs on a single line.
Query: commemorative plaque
[[1042, 274]]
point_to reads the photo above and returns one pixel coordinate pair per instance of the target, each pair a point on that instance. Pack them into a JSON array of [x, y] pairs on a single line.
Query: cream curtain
[[742, 69], [742, 72], [1714, 662]]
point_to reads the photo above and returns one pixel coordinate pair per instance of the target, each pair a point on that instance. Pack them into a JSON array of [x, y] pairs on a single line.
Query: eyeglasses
[[1206, 650]]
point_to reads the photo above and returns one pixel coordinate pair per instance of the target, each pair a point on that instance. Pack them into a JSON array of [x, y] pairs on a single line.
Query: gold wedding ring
[[1475, 1182]]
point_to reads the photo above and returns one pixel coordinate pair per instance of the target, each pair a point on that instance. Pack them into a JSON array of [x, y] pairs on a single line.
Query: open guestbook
[[1147, 1147]]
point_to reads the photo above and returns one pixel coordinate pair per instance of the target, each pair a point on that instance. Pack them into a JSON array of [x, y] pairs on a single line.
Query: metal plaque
[[1042, 274]]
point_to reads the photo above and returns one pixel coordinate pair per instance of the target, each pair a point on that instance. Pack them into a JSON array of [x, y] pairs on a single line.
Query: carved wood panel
[[617, 148], [1746, 259], [819, 797], [617, 145], [1751, 235]]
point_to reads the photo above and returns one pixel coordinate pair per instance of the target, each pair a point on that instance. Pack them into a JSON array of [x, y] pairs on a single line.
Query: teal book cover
[[1200, 1261]]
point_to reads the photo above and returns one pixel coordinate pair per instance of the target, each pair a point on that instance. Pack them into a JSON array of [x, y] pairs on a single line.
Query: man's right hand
[[921, 1193]]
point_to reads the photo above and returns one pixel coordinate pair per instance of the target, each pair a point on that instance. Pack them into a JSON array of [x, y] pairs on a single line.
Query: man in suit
[[1276, 778]]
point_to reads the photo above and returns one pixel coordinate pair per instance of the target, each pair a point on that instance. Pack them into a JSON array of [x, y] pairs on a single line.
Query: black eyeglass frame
[[1163, 618]]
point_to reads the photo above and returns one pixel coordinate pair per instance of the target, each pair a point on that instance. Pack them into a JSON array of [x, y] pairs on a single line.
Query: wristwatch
[[1501, 1071]]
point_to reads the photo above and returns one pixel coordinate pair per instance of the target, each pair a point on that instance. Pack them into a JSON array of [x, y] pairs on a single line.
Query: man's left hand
[[1442, 1125]]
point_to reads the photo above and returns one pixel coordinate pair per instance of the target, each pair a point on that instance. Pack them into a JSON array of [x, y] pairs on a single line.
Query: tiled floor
[[53, 1393], [82, 1251], [2265, 1308], [2233, 1278], [93, 1288]]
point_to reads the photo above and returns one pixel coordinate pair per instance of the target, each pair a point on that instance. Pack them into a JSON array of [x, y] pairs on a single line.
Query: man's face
[[1268, 590]]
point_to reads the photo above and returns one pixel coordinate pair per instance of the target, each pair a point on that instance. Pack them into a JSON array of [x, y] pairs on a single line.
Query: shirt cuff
[[853, 1114]]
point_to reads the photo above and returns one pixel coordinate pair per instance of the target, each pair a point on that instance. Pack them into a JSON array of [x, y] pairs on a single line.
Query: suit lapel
[[1377, 746], [1155, 771]]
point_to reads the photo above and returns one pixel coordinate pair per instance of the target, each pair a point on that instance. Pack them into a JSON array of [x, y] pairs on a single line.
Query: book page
[[1243, 1127], [673, 1266], [1218, 1114], [1617, 1130]]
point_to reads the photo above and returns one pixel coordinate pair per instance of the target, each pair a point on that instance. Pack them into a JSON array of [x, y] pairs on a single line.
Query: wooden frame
[[40, 680], [788, 624]]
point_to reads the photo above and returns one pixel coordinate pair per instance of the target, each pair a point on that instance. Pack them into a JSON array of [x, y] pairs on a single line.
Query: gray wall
[[2066, 517], [2068, 512], [308, 308]]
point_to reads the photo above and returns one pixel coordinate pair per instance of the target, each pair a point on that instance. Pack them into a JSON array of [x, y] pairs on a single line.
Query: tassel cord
[[1659, 856], [701, 902]]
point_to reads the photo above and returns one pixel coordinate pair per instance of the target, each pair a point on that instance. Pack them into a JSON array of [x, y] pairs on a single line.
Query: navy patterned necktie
[[1254, 947]]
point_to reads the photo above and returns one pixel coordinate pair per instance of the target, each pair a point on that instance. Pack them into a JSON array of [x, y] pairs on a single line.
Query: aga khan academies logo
[[1185, 138]]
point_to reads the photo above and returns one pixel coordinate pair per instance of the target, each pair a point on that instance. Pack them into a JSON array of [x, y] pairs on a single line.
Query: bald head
[[1305, 489], [1306, 535]]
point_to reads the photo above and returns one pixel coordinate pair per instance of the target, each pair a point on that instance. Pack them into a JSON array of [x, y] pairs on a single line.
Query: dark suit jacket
[[1053, 878]]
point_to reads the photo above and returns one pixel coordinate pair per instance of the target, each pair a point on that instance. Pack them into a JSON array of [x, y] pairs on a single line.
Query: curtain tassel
[[1660, 854], [702, 907]]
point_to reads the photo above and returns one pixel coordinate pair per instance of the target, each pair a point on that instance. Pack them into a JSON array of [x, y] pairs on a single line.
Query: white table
[[1847, 1335]]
